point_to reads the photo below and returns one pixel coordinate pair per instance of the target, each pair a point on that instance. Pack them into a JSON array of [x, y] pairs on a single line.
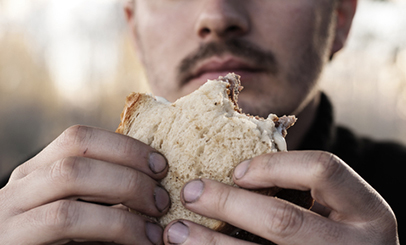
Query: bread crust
[[132, 103], [139, 106]]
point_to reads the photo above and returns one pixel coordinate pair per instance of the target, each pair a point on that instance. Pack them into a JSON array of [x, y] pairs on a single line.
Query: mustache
[[264, 60]]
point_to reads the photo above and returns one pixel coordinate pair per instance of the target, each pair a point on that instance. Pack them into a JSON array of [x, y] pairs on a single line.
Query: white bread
[[202, 135]]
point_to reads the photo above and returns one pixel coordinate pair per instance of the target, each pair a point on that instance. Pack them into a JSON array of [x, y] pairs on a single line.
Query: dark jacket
[[381, 164]]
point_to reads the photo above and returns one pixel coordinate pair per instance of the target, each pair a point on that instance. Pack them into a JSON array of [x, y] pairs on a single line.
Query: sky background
[[71, 62]]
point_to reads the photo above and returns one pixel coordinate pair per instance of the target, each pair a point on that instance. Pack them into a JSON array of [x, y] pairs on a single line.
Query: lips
[[220, 66]]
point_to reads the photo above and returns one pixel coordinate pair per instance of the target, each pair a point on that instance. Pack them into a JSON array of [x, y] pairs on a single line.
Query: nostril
[[222, 24], [204, 32], [233, 29], [226, 32]]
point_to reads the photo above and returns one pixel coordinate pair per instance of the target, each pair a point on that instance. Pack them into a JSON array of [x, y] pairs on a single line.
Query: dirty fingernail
[[192, 191], [157, 162], [162, 200], [241, 169], [178, 233], [154, 232]]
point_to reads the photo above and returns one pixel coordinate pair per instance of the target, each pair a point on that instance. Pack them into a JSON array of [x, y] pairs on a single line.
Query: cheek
[[291, 33], [287, 26], [166, 27], [164, 36]]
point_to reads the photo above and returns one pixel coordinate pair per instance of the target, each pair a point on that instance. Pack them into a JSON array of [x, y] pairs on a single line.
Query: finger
[[186, 232], [320, 209], [71, 220], [102, 145], [268, 217], [90, 180], [330, 180]]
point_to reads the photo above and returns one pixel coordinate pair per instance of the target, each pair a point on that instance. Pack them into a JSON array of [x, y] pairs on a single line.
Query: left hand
[[357, 213]]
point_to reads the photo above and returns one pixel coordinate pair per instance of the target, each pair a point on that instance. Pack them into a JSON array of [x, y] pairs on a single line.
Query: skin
[[297, 38], [269, 85], [52, 198], [279, 47]]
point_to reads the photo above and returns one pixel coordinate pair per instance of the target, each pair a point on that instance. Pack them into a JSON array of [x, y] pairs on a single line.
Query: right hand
[[55, 197]]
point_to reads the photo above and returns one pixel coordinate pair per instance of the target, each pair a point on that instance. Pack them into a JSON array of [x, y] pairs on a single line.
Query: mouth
[[214, 67]]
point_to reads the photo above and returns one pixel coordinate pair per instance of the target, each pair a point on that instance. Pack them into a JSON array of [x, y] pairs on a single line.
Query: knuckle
[[61, 215], [130, 149], [385, 221], [223, 200], [122, 225], [328, 166], [129, 146], [328, 230], [268, 162], [131, 182], [74, 137], [119, 226], [285, 221], [65, 170], [214, 240]]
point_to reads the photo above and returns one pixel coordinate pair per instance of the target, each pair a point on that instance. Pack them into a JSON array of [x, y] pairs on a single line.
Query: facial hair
[[298, 81], [265, 60], [261, 59]]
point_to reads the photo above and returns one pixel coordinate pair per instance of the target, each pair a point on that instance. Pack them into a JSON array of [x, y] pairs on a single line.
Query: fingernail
[[178, 233], [192, 191], [162, 200], [157, 162], [154, 232], [241, 169]]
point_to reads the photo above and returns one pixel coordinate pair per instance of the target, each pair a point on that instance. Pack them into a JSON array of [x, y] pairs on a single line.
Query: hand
[[357, 214], [52, 198]]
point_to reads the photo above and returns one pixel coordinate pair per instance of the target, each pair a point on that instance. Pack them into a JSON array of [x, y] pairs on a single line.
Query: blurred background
[[71, 62]]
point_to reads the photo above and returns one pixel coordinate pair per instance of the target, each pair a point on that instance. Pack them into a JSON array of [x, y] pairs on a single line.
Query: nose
[[222, 19]]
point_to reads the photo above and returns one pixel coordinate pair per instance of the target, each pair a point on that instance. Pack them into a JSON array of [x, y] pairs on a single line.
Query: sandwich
[[206, 135]]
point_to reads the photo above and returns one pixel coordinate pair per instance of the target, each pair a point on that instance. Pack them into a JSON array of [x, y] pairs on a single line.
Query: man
[[279, 48]]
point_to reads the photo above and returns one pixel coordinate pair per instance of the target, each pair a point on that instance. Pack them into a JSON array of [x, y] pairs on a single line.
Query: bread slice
[[202, 135]]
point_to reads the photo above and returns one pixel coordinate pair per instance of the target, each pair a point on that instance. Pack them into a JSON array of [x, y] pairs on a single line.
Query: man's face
[[277, 46]]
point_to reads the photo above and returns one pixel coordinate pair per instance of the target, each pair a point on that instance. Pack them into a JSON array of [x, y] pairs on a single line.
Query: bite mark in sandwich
[[205, 135]]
